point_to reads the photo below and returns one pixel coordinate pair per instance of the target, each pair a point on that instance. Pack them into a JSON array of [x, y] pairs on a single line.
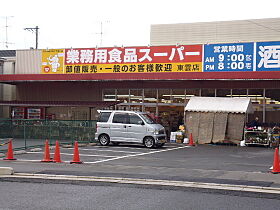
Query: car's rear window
[[104, 116]]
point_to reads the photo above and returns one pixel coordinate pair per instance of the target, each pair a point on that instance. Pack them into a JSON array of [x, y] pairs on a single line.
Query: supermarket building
[[217, 59]]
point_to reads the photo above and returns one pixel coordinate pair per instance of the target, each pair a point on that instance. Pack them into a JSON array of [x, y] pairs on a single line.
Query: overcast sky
[[77, 23]]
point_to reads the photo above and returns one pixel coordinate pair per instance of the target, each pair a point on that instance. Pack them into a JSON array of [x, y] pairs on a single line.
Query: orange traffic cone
[[47, 157], [276, 164], [56, 157], [76, 157], [191, 142], [10, 153]]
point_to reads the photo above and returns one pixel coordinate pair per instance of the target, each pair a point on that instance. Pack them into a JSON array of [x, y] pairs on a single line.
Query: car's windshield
[[148, 119]]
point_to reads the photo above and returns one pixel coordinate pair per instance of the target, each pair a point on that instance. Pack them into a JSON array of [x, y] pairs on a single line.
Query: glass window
[[256, 96], [134, 119], [150, 95], [272, 96], [178, 95], [109, 95], [164, 96], [192, 92], [272, 106], [148, 119], [123, 95], [223, 93], [239, 93], [208, 92], [136, 96], [257, 99], [120, 118], [104, 116]]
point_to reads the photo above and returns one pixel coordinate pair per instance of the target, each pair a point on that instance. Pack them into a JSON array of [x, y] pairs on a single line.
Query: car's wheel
[[149, 142], [104, 139]]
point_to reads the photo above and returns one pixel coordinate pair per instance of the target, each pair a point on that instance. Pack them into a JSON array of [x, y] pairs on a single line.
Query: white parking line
[[141, 154], [120, 147], [105, 150], [127, 147], [84, 155], [24, 160]]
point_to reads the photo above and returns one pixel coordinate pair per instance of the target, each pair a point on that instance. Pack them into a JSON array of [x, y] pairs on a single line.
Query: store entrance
[[171, 117]]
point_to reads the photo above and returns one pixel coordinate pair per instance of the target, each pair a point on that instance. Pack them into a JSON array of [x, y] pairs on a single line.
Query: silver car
[[129, 126]]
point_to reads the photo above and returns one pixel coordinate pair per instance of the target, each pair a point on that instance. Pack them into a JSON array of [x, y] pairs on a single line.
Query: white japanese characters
[[86, 56], [270, 56], [146, 55], [226, 48], [73, 56], [130, 56], [180, 53], [100, 56], [126, 55], [115, 56]]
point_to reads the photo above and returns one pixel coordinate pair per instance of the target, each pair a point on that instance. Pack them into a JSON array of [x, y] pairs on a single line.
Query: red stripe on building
[[9, 78]]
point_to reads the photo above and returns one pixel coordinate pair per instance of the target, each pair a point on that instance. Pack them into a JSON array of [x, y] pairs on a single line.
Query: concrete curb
[[183, 184], [6, 171]]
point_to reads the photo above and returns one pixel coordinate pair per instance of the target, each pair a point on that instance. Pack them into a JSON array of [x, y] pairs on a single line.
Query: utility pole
[[101, 31], [6, 30], [36, 29]]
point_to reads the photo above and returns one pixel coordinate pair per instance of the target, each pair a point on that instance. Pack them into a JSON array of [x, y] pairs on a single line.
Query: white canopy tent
[[217, 119], [219, 104]]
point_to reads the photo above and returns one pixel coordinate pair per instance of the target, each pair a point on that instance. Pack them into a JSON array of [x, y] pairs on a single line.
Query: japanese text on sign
[[268, 56], [155, 59], [133, 68], [162, 54], [229, 57]]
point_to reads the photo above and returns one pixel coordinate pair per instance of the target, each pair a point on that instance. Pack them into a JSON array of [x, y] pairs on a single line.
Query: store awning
[[60, 103], [219, 104], [19, 78]]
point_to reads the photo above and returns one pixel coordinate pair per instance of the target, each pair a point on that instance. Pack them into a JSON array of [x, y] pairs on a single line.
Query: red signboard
[[123, 55]]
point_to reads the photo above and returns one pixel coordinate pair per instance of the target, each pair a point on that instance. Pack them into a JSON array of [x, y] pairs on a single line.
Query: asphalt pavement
[[204, 163], [47, 195]]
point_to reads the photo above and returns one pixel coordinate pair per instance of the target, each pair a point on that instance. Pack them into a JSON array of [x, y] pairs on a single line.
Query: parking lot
[[207, 163], [98, 154]]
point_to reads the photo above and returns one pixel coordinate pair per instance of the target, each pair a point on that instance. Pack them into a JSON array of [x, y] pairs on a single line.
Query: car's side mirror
[[142, 123]]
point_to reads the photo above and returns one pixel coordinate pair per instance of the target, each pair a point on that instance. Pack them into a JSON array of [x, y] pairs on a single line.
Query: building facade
[[184, 60], [7, 91]]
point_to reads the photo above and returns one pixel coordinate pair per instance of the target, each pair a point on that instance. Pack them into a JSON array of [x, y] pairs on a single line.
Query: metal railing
[[29, 133]]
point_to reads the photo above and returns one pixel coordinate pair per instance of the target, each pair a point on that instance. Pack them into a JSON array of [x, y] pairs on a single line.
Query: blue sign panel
[[268, 56], [228, 57]]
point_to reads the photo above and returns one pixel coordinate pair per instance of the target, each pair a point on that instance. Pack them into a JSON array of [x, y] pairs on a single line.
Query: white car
[[129, 127]]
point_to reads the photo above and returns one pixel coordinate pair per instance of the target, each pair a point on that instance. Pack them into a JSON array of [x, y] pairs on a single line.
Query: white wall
[[216, 32], [28, 62]]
